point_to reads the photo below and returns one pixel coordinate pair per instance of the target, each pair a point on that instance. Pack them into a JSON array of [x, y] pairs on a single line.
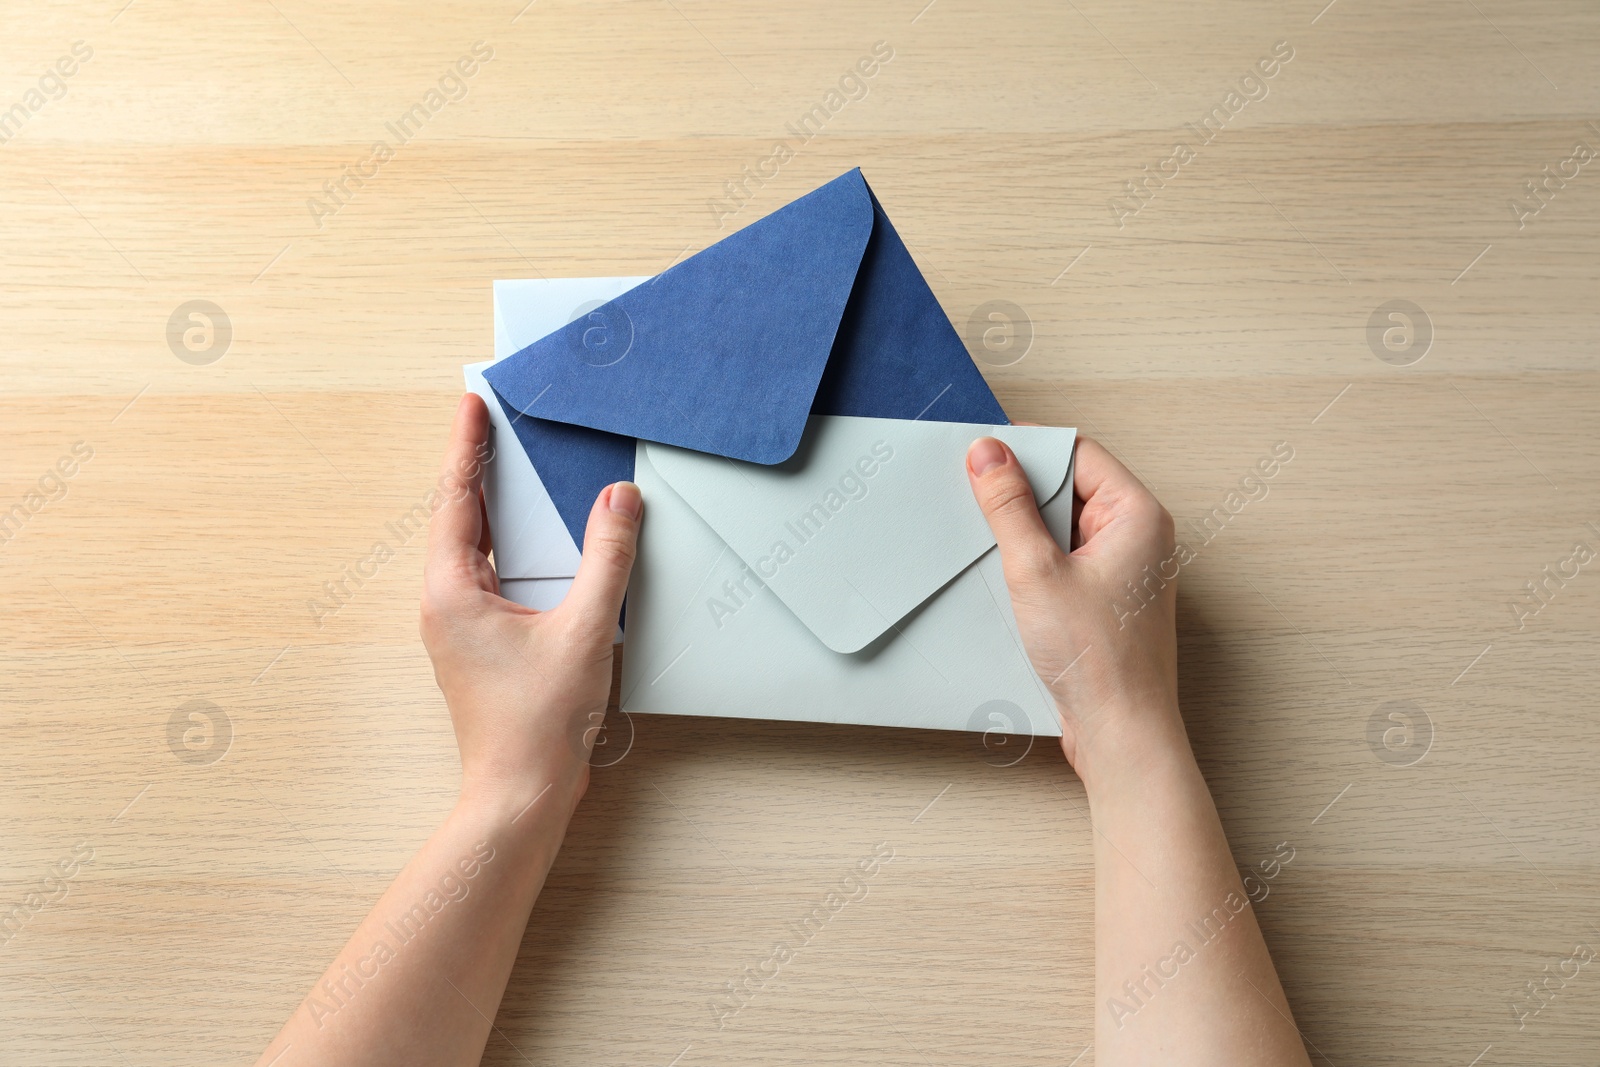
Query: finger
[[610, 542], [486, 543], [1105, 486], [485, 537], [1027, 551], [457, 524], [1097, 469]]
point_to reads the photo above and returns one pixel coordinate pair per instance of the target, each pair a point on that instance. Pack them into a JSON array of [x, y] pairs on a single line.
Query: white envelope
[[534, 554], [855, 583], [527, 309]]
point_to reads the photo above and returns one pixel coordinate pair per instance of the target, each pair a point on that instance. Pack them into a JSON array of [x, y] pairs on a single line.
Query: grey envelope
[[856, 582]]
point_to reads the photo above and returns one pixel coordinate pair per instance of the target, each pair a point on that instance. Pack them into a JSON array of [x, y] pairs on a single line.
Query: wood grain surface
[[1358, 680]]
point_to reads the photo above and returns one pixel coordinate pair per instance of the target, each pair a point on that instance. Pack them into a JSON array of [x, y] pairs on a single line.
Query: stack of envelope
[[796, 409]]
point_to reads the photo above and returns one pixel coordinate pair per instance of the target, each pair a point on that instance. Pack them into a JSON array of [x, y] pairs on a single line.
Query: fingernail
[[984, 456], [625, 500]]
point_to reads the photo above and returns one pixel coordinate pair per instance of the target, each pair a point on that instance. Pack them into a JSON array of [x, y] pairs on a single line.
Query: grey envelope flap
[[867, 520]]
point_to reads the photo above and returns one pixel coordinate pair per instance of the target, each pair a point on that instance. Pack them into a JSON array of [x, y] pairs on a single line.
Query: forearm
[[1182, 974], [421, 979]]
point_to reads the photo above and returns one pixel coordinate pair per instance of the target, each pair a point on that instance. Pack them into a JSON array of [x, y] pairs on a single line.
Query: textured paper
[[530, 539], [541, 594], [895, 613], [817, 308], [864, 522], [526, 309]]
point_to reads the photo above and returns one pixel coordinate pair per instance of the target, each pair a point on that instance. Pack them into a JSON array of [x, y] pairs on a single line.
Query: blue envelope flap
[[897, 356], [721, 353], [817, 309], [573, 463]]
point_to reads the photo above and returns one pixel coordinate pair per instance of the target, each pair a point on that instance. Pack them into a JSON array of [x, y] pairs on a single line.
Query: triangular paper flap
[[897, 356], [721, 353], [573, 462], [529, 536], [868, 519]]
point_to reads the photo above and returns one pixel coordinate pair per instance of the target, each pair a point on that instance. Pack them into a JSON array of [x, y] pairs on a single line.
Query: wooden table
[[1357, 677]]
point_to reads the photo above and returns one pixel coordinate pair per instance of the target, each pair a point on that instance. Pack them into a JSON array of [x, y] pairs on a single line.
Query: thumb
[[610, 542], [1027, 550]]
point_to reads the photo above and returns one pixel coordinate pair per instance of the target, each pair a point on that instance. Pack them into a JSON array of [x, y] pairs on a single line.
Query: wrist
[[1132, 748], [520, 828], [528, 797]]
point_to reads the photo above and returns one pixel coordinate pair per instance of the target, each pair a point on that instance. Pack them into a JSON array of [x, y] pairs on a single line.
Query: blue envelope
[[816, 309]]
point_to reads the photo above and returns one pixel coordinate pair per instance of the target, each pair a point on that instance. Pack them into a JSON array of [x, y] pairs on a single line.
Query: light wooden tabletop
[[1339, 272]]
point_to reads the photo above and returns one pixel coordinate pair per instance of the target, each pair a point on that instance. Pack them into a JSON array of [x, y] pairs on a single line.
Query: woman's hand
[[1097, 621], [423, 975], [527, 690]]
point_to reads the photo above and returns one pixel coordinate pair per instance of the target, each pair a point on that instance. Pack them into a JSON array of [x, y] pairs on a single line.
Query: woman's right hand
[[1098, 620]]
